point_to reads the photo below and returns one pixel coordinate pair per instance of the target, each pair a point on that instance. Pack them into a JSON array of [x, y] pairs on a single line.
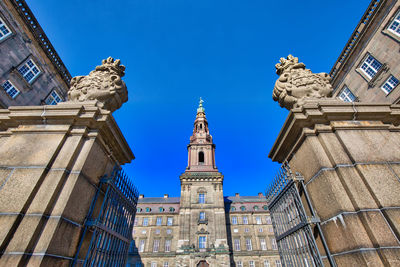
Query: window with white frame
[[170, 221], [239, 264], [268, 219], [246, 230], [235, 230], [53, 98], [394, 26], [236, 244], [263, 244], [10, 89], [145, 221], [156, 245], [142, 242], [245, 220], [167, 247], [158, 221], [278, 263], [202, 198], [154, 264], [136, 222], [260, 230], [370, 66], [258, 220], [273, 244], [169, 231], [29, 70], [346, 95], [4, 30], [166, 264], [251, 264], [202, 215], [202, 242], [144, 232], [234, 219], [249, 246], [389, 84], [266, 263]]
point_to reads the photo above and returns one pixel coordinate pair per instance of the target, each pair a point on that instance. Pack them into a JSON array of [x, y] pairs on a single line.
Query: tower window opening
[[201, 157], [201, 126]]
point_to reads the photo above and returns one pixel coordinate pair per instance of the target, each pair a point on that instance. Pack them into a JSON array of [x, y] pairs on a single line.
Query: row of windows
[[157, 231], [156, 245], [266, 263], [260, 230], [249, 246], [160, 209], [370, 67], [243, 208], [245, 220], [146, 221]]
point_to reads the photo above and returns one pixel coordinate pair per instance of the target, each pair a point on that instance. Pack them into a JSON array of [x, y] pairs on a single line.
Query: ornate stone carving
[[103, 84], [296, 83]]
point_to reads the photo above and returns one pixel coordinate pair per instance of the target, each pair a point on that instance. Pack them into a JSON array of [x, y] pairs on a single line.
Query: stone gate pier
[[51, 159], [349, 155]]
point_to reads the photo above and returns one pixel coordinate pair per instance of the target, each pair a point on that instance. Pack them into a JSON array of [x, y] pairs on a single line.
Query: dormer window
[[201, 157]]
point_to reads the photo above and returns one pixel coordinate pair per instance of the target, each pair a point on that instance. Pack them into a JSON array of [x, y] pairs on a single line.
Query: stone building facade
[[31, 72], [202, 227], [368, 68]]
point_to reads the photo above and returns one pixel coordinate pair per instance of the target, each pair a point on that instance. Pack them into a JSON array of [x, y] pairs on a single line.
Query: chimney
[[166, 196], [260, 195], [237, 195], [141, 196]]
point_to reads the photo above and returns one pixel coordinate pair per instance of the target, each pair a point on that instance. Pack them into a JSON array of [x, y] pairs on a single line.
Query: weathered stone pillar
[[51, 159], [349, 155]]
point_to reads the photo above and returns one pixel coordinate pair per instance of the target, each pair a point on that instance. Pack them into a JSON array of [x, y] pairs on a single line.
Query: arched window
[[201, 126], [201, 157], [255, 207], [233, 208], [171, 209], [242, 208]]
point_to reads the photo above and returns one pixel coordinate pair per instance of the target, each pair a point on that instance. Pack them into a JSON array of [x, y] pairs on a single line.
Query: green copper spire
[[200, 108]]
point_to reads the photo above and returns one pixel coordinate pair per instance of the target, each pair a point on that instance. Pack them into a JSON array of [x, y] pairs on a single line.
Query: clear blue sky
[[178, 50]]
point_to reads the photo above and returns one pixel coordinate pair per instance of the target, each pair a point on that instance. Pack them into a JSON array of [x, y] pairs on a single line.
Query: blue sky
[[178, 50]]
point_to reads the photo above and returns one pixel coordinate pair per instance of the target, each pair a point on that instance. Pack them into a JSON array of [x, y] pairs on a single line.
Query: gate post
[[51, 159], [349, 156]]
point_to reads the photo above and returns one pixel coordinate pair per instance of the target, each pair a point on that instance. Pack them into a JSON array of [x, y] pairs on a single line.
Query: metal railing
[[111, 228], [292, 226]]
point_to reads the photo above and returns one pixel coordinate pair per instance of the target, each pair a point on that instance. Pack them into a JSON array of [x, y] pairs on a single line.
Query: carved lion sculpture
[[296, 83], [103, 84]]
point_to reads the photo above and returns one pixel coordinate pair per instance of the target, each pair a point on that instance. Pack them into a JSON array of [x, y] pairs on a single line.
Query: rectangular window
[[167, 245], [10, 89], [136, 222], [249, 246], [394, 27], [202, 242], [370, 66], [390, 84], [239, 264], [266, 263], [245, 220], [258, 220], [268, 219], [246, 230], [278, 263], [169, 231], [4, 30], [157, 231], [251, 264], [156, 245], [154, 264], [202, 198], [29, 70], [234, 220], [158, 221], [170, 221], [53, 98], [142, 242], [263, 244], [236, 244], [260, 230], [202, 215], [273, 244], [166, 264], [145, 221], [346, 95]]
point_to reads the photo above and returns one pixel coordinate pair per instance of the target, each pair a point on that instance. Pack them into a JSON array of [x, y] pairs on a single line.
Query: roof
[[160, 200], [241, 199]]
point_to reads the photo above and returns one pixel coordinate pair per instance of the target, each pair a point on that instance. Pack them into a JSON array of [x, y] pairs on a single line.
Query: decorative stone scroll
[[296, 83], [103, 84]]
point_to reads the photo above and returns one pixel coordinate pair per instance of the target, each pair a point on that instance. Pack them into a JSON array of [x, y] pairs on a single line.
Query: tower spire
[[201, 148]]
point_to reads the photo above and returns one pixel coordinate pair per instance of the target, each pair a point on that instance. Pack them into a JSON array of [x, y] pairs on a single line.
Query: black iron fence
[[292, 226], [110, 228]]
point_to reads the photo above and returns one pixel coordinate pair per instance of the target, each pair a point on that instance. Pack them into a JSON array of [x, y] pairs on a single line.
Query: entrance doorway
[[203, 264]]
